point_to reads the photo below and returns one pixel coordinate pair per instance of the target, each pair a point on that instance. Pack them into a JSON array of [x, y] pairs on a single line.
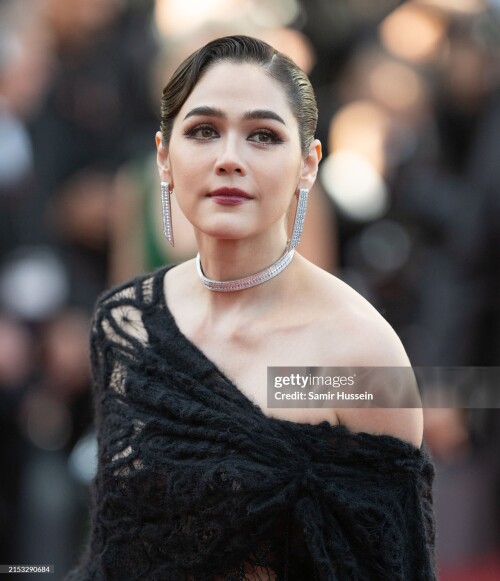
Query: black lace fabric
[[196, 483]]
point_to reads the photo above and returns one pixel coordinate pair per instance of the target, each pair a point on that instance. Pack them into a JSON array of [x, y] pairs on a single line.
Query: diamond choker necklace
[[237, 284]]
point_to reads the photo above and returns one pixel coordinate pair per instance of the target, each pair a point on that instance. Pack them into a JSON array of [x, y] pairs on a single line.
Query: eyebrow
[[215, 112]]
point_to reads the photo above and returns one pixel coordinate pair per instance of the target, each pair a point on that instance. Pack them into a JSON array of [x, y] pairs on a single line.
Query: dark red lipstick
[[229, 196]]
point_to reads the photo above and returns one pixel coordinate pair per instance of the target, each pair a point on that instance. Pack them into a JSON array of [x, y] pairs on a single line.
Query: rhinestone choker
[[247, 281]]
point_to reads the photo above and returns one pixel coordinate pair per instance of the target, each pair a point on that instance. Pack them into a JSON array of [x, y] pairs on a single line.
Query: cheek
[[185, 173], [183, 178], [283, 180]]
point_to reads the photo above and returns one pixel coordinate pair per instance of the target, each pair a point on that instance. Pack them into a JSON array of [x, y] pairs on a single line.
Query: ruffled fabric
[[196, 483]]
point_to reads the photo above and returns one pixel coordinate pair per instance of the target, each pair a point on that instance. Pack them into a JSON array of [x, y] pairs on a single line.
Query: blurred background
[[406, 210]]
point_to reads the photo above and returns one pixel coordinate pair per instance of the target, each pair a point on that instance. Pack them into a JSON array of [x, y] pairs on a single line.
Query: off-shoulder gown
[[196, 483]]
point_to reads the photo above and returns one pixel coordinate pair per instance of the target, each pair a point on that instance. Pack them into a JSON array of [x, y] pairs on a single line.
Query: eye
[[202, 132], [264, 137]]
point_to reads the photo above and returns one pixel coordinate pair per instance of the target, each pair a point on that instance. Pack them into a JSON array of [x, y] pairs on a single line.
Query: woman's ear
[[163, 160], [310, 165]]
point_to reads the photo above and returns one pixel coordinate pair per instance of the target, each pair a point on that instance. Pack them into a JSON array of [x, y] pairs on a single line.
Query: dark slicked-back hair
[[242, 49]]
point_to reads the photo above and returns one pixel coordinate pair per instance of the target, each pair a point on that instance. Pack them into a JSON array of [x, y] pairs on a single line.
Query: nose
[[229, 159]]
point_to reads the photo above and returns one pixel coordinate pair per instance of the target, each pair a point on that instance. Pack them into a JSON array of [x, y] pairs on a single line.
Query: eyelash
[[192, 134], [194, 130], [274, 137]]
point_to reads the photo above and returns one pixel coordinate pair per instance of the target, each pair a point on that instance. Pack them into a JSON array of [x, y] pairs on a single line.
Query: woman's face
[[234, 156]]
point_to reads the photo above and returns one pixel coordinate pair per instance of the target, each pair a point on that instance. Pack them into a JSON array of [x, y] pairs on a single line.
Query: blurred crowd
[[406, 210]]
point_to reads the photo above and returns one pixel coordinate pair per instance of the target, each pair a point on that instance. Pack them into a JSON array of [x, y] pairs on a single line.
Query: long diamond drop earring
[[300, 215], [167, 212]]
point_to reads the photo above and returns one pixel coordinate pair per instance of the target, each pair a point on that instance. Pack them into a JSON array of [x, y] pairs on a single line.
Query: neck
[[225, 260], [243, 307], [239, 263]]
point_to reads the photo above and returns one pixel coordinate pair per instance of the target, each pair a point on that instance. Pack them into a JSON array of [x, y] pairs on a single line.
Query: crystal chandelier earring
[[167, 212], [272, 270]]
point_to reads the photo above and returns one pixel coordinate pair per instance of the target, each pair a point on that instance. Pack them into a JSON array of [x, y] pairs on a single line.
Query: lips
[[229, 196], [229, 193]]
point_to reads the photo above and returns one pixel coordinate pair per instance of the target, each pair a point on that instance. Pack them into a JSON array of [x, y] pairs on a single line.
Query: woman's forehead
[[238, 87]]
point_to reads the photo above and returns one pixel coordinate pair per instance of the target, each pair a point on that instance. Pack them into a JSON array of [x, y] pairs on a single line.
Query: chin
[[226, 229], [225, 235]]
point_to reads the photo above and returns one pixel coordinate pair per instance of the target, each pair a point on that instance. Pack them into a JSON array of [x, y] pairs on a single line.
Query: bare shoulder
[[353, 333], [350, 330]]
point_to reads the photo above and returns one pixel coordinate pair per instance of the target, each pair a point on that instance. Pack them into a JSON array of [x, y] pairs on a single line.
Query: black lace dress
[[196, 483]]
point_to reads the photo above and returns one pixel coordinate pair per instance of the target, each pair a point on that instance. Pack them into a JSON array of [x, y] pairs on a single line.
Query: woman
[[198, 478]]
